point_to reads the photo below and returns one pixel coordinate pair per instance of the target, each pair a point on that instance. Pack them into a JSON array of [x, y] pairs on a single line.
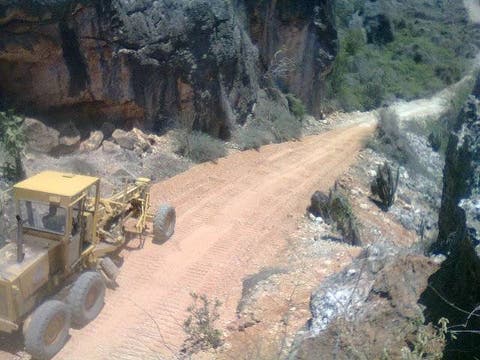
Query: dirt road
[[233, 218]]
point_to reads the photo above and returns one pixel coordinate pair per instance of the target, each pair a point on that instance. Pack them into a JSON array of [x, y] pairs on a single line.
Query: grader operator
[[55, 271]]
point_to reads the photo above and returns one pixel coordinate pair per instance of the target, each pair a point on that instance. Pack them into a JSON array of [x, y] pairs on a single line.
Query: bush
[[12, 140], [199, 146], [385, 185], [7, 218], [200, 325], [336, 208], [428, 343], [286, 127], [282, 127], [253, 136], [392, 142], [296, 106]]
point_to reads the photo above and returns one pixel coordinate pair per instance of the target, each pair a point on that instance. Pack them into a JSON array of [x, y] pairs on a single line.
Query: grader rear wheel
[[47, 330], [164, 223]]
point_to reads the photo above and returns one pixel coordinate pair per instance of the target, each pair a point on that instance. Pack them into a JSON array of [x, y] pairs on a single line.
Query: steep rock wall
[[148, 61], [123, 61], [297, 43], [460, 210], [459, 236]]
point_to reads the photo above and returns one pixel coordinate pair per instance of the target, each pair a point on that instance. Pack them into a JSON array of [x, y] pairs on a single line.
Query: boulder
[[124, 139], [142, 143], [93, 142], [110, 147], [69, 135], [319, 204], [107, 129], [40, 138]]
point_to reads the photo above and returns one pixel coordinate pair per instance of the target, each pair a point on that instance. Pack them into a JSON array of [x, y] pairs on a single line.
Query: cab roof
[[57, 183]]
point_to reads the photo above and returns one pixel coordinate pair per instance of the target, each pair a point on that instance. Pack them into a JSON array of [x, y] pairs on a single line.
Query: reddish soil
[[233, 218]]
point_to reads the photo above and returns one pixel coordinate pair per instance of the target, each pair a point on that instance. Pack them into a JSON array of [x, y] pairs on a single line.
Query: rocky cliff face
[[460, 211], [148, 61], [459, 235], [297, 44]]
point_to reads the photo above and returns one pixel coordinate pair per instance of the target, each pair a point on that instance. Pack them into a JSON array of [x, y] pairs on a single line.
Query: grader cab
[[55, 271]]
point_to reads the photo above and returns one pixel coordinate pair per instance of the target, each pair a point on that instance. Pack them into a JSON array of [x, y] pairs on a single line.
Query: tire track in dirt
[[233, 225], [233, 218]]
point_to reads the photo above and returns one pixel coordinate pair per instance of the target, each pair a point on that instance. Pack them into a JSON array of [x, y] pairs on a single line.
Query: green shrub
[[296, 106], [7, 217], [200, 325], [252, 137], [261, 131], [199, 146], [336, 208], [342, 213], [12, 140], [428, 343], [428, 52], [286, 127]]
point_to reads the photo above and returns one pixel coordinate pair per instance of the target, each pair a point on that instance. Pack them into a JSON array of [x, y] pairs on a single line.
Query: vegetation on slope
[[413, 49]]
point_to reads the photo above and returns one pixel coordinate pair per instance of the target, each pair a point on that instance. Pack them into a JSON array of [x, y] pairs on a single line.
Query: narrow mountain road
[[233, 218]]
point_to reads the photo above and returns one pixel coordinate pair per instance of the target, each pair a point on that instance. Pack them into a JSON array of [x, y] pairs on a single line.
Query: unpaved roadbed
[[233, 217]]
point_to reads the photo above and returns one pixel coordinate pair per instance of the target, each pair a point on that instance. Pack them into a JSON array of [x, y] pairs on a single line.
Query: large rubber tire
[[48, 330], [86, 297], [164, 223], [109, 268]]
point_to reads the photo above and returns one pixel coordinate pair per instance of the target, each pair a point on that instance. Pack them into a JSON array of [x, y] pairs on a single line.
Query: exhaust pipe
[[20, 252]]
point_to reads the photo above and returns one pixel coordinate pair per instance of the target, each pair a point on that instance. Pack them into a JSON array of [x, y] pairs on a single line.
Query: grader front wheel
[[86, 298], [164, 223]]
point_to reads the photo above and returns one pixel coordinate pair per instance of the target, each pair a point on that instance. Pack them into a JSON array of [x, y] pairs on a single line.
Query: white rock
[[319, 220], [438, 259], [352, 272]]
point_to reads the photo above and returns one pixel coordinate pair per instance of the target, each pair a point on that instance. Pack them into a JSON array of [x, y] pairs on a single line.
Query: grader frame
[[60, 257]]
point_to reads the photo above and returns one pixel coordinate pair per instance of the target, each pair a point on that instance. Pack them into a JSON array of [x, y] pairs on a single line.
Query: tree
[[12, 140]]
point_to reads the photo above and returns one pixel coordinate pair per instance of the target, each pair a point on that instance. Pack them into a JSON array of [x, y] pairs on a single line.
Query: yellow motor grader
[[56, 270]]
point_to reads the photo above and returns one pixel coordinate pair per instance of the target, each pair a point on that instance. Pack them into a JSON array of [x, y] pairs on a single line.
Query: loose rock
[[40, 138], [93, 142]]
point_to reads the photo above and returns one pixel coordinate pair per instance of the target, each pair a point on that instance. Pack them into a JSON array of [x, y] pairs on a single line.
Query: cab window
[[47, 217]]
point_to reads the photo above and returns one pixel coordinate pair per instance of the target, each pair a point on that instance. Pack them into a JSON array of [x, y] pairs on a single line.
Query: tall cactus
[[385, 185]]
